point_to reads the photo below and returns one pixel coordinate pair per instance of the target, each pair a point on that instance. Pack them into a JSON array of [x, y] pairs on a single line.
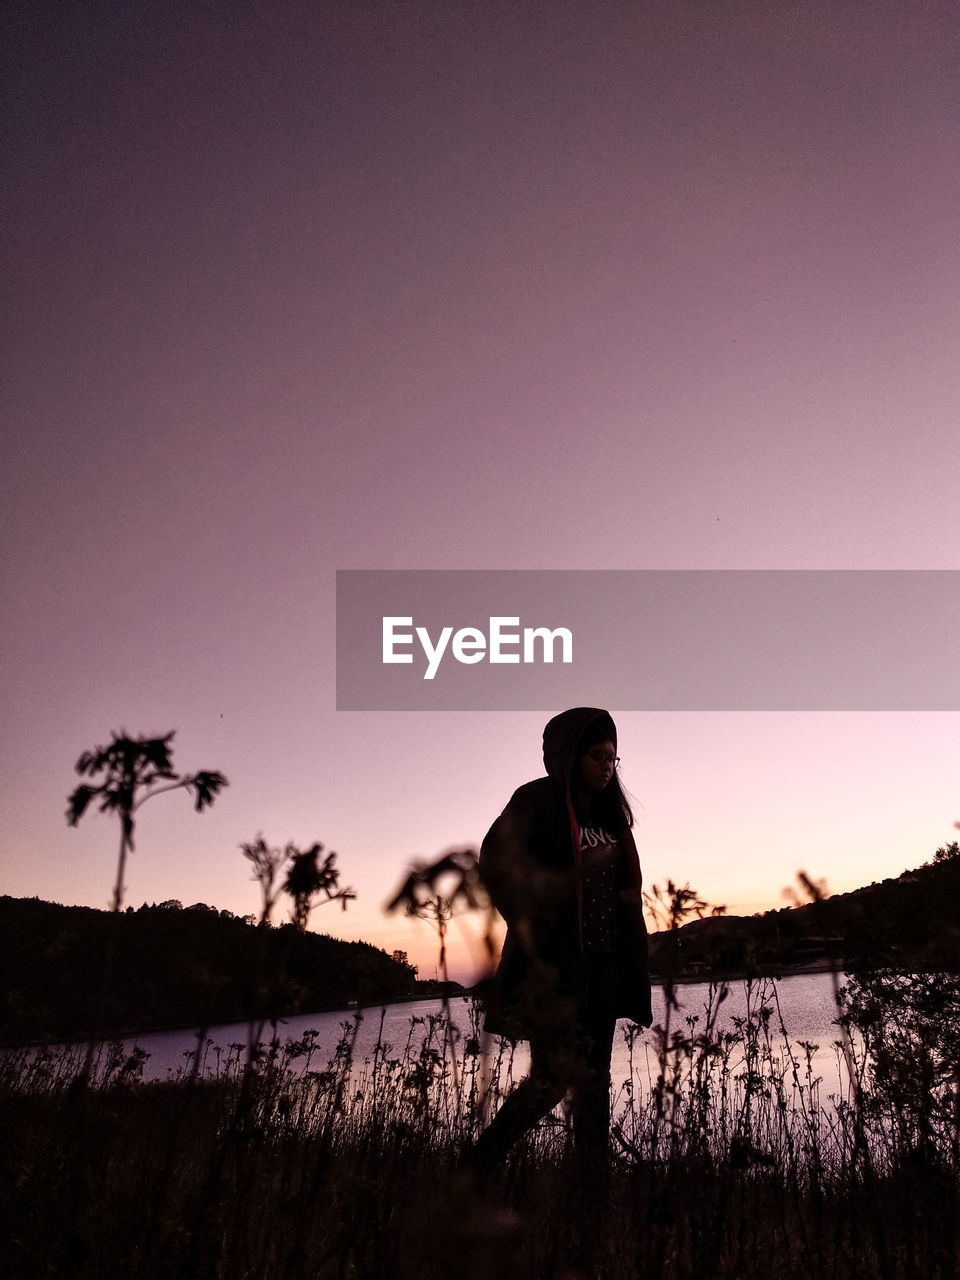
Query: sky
[[301, 287]]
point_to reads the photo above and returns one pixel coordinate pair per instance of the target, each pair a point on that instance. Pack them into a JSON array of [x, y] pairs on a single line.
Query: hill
[[171, 967], [909, 922]]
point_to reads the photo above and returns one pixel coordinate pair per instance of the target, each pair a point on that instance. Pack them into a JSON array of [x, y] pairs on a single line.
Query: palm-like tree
[[308, 876], [135, 770]]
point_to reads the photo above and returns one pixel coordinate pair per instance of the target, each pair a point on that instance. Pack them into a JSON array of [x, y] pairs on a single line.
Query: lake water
[[806, 1003]]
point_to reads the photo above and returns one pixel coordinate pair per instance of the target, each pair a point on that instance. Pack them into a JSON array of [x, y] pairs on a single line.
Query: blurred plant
[[670, 909], [433, 892], [810, 890], [136, 770], [267, 862], [307, 876], [420, 894]]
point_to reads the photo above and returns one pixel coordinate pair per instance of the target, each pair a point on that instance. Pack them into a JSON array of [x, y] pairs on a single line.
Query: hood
[[562, 734]]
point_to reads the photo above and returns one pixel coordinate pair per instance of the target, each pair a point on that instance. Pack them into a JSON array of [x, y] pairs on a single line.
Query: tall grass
[[301, 1160]]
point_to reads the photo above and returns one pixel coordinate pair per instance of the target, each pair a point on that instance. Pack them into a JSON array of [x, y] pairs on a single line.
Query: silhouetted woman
[[561, 867]]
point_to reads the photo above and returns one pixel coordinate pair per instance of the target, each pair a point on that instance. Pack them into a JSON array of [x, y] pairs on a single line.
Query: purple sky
[[312, 286]]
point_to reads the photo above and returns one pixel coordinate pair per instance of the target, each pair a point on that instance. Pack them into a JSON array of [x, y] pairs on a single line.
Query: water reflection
[[802, 1012]]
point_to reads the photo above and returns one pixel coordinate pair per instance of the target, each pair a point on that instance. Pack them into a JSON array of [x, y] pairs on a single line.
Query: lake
[[806, 1003]]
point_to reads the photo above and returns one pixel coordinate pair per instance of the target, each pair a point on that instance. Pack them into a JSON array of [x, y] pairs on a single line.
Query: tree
[[307, 876], [135, 770], [401, 958], [267, 862]]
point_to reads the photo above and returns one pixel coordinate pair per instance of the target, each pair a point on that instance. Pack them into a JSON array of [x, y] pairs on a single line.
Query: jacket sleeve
[[532, 897], [505, 863]]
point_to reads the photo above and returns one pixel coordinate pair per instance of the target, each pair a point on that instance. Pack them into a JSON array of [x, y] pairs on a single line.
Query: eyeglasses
[[601, 757]]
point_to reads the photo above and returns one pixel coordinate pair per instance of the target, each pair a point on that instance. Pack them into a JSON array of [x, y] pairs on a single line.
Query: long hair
[[611, 807]]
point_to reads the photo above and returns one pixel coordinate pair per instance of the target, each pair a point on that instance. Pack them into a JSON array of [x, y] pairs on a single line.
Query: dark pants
[[575, 1056]]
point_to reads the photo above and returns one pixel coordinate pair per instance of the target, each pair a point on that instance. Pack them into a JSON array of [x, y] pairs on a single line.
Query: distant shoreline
[[741, 975], [657, 981]]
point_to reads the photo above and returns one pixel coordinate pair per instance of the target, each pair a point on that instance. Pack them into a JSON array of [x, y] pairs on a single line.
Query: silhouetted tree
[[401, 957], [307, 876], [267, 863], [135, 770]]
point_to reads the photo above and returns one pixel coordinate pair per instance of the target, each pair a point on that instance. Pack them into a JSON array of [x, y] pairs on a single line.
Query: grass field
[[296, 1161]]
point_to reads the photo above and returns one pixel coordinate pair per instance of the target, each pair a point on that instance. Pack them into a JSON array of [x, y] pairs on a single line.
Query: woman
[[561, 867]]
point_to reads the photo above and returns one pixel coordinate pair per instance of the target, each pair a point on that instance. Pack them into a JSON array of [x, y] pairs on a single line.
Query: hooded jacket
[[530, 864]]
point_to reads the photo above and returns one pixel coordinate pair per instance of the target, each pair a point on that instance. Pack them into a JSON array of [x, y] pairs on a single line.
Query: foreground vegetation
[[297, 1161]]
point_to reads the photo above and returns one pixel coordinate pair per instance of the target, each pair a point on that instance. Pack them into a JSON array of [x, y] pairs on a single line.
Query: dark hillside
[[170, 967], [911, 922]]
